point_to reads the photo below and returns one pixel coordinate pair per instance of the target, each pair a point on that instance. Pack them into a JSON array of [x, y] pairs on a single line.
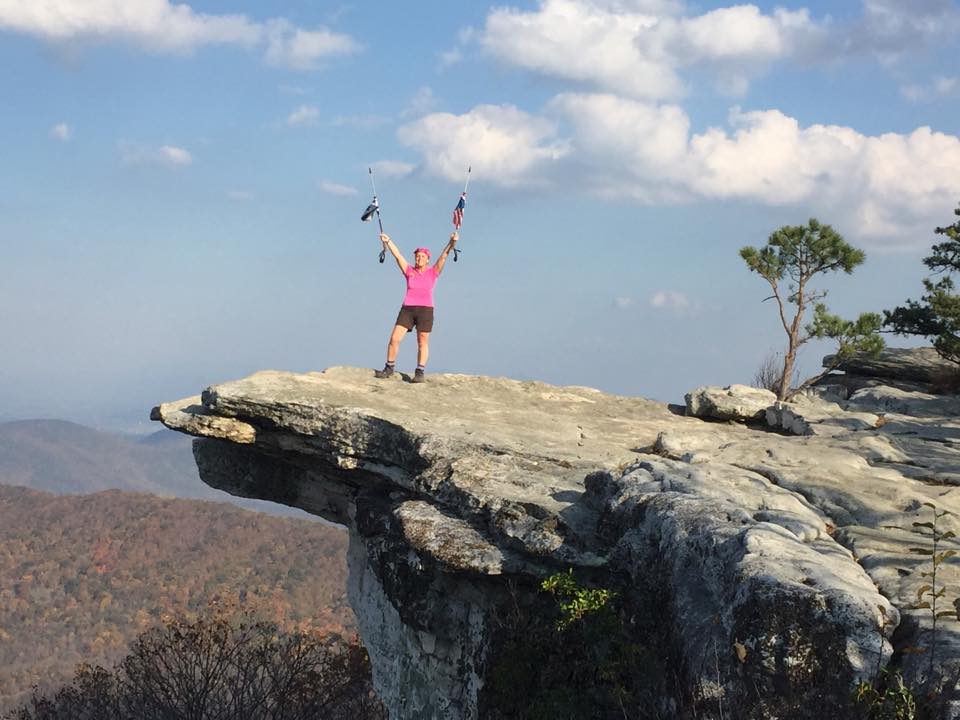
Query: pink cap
[[423, 250]]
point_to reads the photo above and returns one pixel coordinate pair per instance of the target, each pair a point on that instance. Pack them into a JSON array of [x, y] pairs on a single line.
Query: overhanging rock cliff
[[778, 567]]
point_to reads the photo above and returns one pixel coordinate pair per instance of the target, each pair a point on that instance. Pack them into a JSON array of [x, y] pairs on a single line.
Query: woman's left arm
[[438, 265]]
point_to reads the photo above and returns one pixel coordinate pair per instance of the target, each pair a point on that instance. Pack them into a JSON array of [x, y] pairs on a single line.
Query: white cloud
[[740, 42], [643, 49], [878, 189], [499, 142], [741, 33], [240, 195], [175, 156], [303, 115], [333, 188], [670, 300], [156, 24], [159, 26], [61, 131], [880, 186], [584, 42], [292, 47], [166, 155], [638, 49], [623, 302], [392, 168]]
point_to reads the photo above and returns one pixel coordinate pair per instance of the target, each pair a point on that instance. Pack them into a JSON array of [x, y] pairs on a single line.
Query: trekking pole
[[374, 207], [458, 211]]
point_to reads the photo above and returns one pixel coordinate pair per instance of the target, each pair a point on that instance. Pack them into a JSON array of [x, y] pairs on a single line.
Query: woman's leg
[[394, 344], [423, 348]]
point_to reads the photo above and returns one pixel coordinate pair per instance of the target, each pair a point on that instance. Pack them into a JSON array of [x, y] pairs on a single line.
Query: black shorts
[[419, 315]]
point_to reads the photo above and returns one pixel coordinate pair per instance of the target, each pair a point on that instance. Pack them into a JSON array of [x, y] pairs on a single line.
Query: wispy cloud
[[450, 57], [939, 87], [421, 103], [166, 155], [392, 168], [292, 47], [333, 188], [61, 131], [454, 55], [303, 115], [892, 29], [670, 300], [240, 195], [363, 122], [159, 26]]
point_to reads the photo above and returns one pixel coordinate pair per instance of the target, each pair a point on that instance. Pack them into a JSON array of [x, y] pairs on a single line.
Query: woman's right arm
[[401, 261]]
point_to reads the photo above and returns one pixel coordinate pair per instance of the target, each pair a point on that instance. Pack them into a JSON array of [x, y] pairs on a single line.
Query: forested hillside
[[81, 576]]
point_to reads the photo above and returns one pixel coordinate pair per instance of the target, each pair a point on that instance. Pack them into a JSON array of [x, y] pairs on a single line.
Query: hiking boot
[[387, 372], [418, 376]]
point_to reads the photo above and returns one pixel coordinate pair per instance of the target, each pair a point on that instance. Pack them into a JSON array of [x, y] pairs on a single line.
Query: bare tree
[[215, 669], [767, 375]]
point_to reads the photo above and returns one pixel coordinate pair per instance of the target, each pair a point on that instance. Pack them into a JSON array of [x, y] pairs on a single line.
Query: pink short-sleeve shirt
[[420, 286]]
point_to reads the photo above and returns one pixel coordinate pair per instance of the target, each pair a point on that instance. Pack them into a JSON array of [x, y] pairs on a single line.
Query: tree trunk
[[783, 387], [793, 344]]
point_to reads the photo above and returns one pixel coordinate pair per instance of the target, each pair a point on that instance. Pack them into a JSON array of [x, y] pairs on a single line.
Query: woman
[[417, 307]]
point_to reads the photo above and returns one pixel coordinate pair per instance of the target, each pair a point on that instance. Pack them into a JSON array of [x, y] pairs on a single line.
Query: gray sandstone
[[734, 402], [922, 365], [781, 556]]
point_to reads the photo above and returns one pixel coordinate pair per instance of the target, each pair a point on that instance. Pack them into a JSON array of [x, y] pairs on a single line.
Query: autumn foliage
[[81, 577]]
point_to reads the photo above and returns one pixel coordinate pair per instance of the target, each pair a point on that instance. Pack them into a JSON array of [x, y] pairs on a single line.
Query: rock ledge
[[786, 547]]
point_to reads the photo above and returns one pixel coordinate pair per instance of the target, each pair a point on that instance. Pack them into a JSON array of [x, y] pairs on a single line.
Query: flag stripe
[[458, 211]]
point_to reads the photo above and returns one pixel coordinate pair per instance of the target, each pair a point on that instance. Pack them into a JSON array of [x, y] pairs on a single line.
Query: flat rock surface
[[565, 423], [502, 453]]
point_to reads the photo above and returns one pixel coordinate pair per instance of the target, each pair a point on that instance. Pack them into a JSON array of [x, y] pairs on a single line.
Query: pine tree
[[937, 315], [789, 261]]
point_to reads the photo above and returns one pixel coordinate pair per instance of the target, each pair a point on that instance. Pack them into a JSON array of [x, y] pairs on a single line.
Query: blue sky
[[182, 184]]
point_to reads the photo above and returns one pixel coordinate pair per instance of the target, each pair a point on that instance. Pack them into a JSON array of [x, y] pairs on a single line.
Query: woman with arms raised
[[417, 308]]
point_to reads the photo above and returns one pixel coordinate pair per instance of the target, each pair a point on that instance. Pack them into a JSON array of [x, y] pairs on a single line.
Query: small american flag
[[458, 211]]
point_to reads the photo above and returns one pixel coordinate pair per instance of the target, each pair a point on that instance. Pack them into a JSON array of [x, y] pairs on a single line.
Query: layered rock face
[[781, 565]]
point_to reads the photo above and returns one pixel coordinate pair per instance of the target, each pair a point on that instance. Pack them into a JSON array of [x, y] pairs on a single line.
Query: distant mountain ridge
[[67, 458]]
